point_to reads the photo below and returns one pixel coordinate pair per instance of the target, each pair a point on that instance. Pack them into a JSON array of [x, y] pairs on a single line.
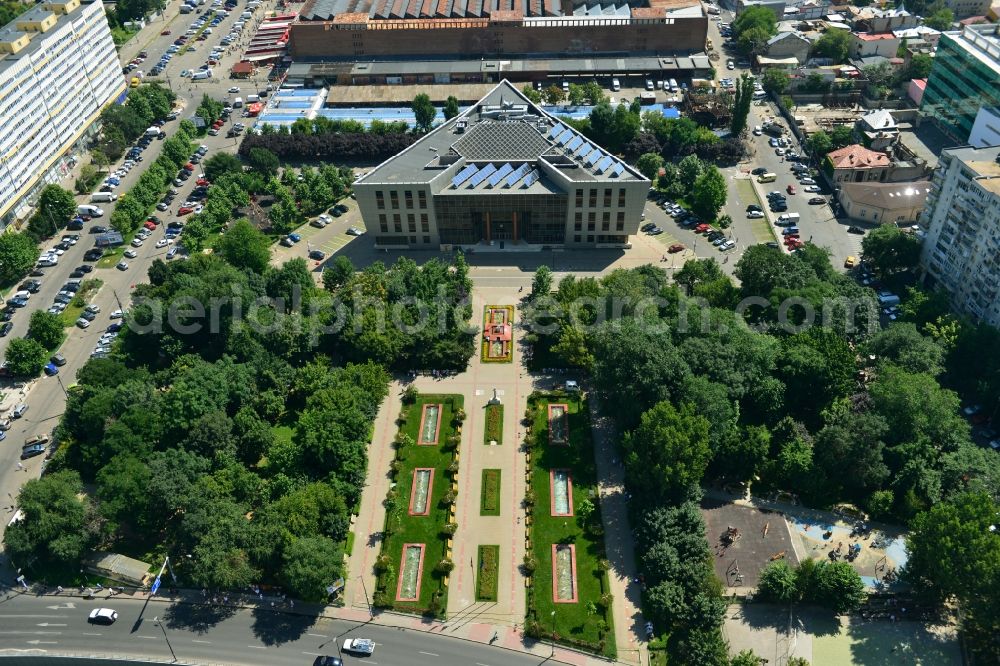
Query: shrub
[[445, 566], [410, 395]]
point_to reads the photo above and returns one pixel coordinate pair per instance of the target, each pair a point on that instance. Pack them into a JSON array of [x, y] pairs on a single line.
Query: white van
[[253, 99], [616, 85], [103, 197], [673, 85], [245, 15], [788, 219], [92, 211], [238, 102]]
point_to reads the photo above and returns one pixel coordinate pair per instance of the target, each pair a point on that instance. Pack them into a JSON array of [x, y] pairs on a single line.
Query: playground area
[[743, 541]]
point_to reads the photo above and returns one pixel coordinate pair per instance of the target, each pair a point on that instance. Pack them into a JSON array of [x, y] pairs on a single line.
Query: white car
[[103, 615], [755, 215], [807, 181], [117, 314], [757, 131], [326, 218], [136, 242], [83, 323], [56, 251], [811, 188], [234, 89], [93, 307], [359, 645], [354, 231], [161, 243]]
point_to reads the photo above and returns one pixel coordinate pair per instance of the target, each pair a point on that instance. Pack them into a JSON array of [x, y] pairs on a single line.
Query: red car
[[675, 248], [790, 189], [149, 225], [218, 123], [188, 167], [202, 181], [184, 210], [702, 228]]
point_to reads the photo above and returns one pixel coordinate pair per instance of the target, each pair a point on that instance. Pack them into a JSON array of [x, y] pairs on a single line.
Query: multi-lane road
[[52, 625]]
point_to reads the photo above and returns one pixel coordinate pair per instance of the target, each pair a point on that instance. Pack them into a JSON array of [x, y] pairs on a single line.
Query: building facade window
[[427, 240], [397, 224], [424, 224], [579, 198], [606, 221], [408, 199], [621, 197], [411, 222], [591, 221], [578, 221], [383, 224], [593, 197], [620, 221], [422, 199], [380, 200], [607, 197], [394, 199]]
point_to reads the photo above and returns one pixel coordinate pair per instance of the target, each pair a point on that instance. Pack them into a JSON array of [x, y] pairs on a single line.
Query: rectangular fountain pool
[[411, 568], [561, 492], [421, 490], [564, 573], [430, 425]]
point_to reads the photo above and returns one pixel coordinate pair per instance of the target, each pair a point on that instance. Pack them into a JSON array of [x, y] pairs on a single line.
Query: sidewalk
[[510, 638]]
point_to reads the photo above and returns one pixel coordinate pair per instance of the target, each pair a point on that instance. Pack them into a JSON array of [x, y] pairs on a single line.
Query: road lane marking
[[314, 654], [32, 633], [317, 635], [150, 638], [197, 641], [429, 654], [34, 616], [257, 647], [479, 663], [49, 624], [90, 634]]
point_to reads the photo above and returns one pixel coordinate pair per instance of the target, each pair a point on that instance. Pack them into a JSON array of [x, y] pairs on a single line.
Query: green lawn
[[494, 424], [489, 503], [88, 289], [486, 573], [111, 257], [403, 528], [573, 622], [761, 227]]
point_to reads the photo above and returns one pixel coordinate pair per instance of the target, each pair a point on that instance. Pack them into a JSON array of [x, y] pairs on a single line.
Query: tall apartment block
[[965, 77], [961, 252], [58, 70]]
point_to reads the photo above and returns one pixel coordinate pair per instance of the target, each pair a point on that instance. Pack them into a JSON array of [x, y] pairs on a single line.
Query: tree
[[577, 95], [834, 44], [59, 524], [695, 272], [880, 78], [891, 249], [918, 409], [338, 274], [775, 80], [450, 107], [746, 658], [942, 19], [310, 565], [220, 164], [777, 583], [594, 92], [541, 283], [689, 170], [553, 95], [26, 357], [841, 136], [709, 193], [649, 165], [244, 246], [533, 95], [18, 253], [819, 143], [753, 27], [839, 586], [903, 345], [56, 205], [263, 161], [424, 112], [667, 454], [920, 66], [46, 328], [741, 105]]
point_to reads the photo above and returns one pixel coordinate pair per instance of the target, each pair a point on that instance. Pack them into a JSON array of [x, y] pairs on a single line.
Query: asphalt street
[[50, 625]]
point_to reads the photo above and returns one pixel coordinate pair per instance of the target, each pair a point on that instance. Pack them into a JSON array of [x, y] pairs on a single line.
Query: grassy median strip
[[486, 573], [761, 227], [494, 424], [586, 623], [402, 528], [489, 504]]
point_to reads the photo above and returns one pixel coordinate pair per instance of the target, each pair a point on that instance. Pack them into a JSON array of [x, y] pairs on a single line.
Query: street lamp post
[[156, 620], [552, 638], [371, 612]]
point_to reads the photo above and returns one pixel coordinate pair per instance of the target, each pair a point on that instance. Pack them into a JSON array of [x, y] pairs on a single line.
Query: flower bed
[[489, 504], [497, 343], [419, 464], [494, 424], [487, 573]]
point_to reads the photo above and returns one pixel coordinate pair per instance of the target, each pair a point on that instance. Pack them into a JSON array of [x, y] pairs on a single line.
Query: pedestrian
[[291, 604], [19, 467], [59, 589]]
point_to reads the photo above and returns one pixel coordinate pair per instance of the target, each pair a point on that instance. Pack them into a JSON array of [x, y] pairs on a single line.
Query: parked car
[[103, 616]]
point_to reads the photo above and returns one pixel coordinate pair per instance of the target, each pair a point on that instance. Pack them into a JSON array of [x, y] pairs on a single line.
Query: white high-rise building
[[58, 70], [961, 252]]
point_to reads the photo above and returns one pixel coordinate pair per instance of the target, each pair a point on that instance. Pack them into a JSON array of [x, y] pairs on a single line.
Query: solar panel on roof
[[482, 175], [603, 165], [463, 175], [586, 150], [518, 174], [574, 144], [532, 178], [564, 137], [594, 157], [619, 169], [555, 131], [500, 174]]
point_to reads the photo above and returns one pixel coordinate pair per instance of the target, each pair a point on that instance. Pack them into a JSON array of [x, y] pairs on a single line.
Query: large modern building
[[965, 77], [58, 70], [365, 30], [504, 173], [961, 252]]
